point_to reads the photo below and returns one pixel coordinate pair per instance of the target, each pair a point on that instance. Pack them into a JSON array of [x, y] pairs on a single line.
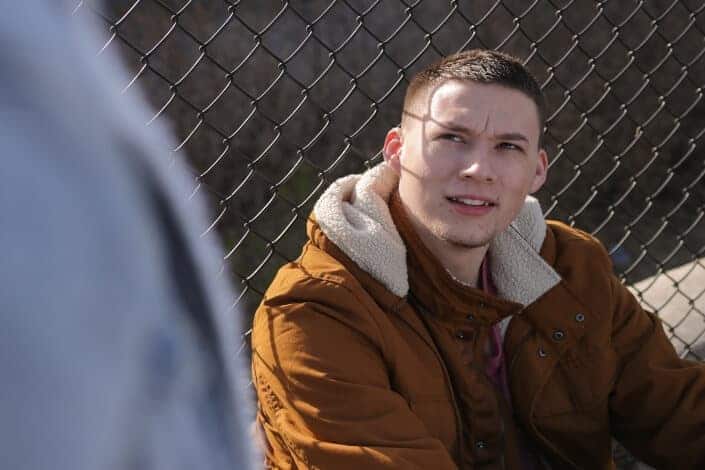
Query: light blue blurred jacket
[[117, 343]]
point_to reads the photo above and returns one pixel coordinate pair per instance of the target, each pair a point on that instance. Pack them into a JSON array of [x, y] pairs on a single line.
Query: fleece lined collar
[[354, 214]]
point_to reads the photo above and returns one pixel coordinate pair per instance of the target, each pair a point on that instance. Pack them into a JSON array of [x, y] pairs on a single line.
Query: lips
[[472, 201], [471, 205]]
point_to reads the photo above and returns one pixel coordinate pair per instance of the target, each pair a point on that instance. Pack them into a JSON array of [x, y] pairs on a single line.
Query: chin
[[463, 240], [466, 244]]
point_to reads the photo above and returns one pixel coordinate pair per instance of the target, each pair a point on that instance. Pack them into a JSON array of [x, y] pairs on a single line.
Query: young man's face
[[467, 155]]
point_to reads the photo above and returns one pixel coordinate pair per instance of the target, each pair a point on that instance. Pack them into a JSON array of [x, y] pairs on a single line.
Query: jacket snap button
[[558, 335], [481, 444], [542, 353], [579, 317]]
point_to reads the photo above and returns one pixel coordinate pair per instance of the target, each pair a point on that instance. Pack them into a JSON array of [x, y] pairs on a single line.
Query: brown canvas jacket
[[363, 351]]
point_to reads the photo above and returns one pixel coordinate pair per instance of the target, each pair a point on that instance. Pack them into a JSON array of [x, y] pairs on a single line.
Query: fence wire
[[272, 100]]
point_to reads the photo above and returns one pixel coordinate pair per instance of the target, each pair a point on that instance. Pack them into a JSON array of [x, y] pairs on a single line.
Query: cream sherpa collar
[[354, 214]]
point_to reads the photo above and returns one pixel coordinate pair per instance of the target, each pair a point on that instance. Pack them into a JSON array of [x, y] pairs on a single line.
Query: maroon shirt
[[496, 366]]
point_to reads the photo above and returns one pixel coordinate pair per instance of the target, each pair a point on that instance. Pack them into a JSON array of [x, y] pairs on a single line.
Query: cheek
[[440, 164], [517, 175], [516, 185]]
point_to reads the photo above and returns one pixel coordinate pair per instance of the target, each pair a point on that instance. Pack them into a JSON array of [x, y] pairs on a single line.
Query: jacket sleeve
[[325, 398], [658, 401]]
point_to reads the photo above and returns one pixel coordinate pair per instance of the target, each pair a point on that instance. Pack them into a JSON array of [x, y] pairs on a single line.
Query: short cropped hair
[[481, 66]]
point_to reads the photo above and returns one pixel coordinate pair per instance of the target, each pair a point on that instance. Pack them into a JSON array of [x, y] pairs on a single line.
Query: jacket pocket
[[581, 381]]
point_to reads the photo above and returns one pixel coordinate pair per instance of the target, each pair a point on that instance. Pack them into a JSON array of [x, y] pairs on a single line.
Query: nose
[[478, 166]]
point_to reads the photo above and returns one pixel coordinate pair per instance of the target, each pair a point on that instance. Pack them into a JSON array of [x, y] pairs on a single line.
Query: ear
[[392, 148], [541, 171]]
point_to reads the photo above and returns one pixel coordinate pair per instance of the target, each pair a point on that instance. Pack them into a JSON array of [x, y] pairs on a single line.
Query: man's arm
[[658, 401], [325, 397]]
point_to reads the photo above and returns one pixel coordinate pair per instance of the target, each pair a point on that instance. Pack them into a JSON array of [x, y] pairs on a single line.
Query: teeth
[[470, 202]]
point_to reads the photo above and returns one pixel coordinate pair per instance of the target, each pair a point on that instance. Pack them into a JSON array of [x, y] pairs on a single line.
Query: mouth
[[471, 202]]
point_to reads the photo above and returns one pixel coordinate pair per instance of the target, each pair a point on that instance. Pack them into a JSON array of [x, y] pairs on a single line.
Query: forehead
[[479, 105]]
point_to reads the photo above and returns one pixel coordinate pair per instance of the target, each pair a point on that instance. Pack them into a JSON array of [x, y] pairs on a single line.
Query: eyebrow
[[451, 126], [512, 136]]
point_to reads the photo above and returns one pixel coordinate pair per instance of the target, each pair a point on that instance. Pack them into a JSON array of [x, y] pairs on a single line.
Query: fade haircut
[[481, 66]]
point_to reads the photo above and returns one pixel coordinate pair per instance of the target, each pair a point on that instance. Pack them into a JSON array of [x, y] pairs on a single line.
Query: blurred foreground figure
[[435, 320], [112, 346]]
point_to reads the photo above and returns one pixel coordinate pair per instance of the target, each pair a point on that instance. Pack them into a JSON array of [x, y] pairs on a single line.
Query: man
[[435, 320], [113, 346]]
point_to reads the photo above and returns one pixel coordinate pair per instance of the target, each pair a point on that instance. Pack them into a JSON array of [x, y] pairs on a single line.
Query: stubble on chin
[[434, 230], [458, 241]]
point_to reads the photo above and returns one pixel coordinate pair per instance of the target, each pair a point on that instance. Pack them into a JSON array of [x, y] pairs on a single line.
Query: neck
[[462, 262]]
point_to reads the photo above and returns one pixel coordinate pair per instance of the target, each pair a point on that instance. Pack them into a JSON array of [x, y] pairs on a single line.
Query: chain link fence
[[272, 100]]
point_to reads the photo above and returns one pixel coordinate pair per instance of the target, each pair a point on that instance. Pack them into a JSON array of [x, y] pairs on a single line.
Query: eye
[[452, 138], [509, 146]]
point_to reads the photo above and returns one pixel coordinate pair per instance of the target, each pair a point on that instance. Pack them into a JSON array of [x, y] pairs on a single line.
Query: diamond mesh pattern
[[272, 100]]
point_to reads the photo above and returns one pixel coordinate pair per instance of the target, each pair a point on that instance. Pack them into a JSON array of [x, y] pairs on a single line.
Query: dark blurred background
[[272, 100]]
